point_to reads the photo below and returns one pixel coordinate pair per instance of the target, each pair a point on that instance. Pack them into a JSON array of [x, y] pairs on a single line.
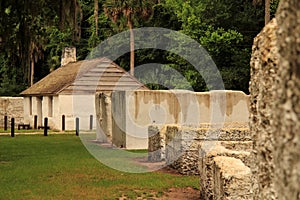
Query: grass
[[8, 131], [21, 131], [59, 167]]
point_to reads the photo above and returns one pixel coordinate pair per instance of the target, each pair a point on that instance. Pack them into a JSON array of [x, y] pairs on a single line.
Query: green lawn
[[59, 167]]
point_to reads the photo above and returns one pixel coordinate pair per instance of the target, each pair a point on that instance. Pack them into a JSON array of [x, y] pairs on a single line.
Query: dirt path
[[178, 193], [171, 194], [181, 194], [188, 193]]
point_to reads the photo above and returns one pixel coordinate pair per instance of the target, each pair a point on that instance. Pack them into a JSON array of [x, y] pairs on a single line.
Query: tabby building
[[70, 91]]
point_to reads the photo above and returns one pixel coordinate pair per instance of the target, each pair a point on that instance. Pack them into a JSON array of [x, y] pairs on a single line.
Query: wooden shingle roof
[[84, 77]]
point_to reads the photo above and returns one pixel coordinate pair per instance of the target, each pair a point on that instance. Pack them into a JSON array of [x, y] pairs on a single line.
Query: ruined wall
[[103, 114], [134, 111], [264, 66], [275, 108], [12, 107], [220, 156], [232, 179], [224, 169], [286, 126], [157, 143]]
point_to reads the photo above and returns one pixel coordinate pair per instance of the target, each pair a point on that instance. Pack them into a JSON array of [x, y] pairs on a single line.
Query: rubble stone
[[11, 107], [275, 108], [232, 179]]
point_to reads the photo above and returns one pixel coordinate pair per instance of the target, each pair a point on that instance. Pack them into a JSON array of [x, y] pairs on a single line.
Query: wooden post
[[91, 122], [77, 126], [46, 126], [35, 122], [5, 122], [63, 122], [12, 129]]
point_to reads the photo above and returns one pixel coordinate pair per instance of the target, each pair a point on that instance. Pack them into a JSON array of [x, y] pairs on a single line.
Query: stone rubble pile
[[209, 153]]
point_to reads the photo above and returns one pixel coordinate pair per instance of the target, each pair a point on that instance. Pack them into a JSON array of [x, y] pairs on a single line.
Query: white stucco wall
[[83, 107], [27, 110], [38, 106], [36, 110], [72, 106], [134, 111], [103, 112], [56, 119], [54, 107], [65, 105]]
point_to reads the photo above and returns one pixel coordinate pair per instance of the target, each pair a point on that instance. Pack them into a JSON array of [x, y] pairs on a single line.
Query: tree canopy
[[33, 34]]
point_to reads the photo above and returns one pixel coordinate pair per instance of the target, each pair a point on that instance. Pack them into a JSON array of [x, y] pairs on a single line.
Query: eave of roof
[[86, 76]]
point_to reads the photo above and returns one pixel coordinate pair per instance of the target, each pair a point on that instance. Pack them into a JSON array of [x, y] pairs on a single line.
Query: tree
[[267, 9], [23, 30], [33, 34], [71, 16], [96, 16], [131, 10], [226, 30]]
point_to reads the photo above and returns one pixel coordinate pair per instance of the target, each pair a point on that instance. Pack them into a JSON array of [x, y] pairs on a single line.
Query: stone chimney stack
[[68, 55]]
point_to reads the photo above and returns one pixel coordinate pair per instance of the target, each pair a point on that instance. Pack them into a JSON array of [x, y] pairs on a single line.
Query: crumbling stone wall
[[232, 179], [11, 107], [182, 149], [275, 108], [156, 143], [137, 110], [218, 178], [286, 118], [264, 64], [179, 147], [221, 157], [210, 178]]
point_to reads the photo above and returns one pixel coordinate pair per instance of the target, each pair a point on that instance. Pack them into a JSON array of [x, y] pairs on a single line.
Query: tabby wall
[[132, 112], [286, 118], [11, 107], [275, 108], [264, 66], [220, 156]]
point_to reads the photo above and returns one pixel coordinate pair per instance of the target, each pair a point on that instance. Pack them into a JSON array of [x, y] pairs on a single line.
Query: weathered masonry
[[275, 108], [11, 107], [126, 115], [220, 156]]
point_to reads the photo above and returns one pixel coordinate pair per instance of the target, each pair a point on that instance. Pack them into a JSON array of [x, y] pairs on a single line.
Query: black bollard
[[5, 123], [63, 122], [77, 126], [35, 122], [12, 128], [91, 122], [46, 126]]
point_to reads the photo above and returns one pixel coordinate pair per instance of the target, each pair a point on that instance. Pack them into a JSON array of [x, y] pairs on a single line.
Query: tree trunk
[[267, 11], [62, 15], [96, 10], [76, 23], [130, 25], [32, 72]]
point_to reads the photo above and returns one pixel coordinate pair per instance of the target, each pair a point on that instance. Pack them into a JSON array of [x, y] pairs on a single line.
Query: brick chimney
[[68, 55]]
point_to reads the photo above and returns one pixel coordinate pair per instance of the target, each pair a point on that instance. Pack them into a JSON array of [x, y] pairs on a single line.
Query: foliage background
[[33, 34]]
